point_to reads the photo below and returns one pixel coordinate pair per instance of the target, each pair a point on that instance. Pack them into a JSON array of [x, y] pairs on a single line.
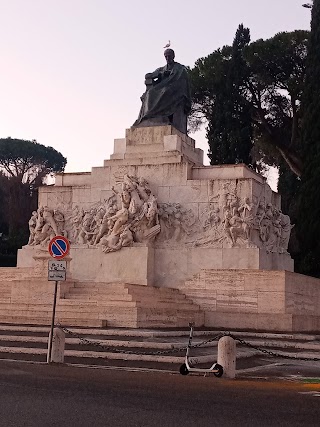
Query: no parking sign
[[59, 247]]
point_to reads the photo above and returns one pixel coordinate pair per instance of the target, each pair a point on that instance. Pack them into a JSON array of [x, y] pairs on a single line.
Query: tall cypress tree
[[309, 218], [230, 128]]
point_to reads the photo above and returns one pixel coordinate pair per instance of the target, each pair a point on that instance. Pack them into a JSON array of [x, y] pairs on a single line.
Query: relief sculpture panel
[[230, 218], [129, 215]]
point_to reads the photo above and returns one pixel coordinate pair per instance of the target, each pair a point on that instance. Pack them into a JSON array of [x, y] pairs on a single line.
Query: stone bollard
[[58, 344], [227, 356]]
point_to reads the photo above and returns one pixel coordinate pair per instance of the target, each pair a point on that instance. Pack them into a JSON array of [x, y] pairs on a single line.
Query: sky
[[72, 71]]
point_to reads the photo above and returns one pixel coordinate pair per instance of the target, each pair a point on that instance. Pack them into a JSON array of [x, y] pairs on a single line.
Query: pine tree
[[309, 218]]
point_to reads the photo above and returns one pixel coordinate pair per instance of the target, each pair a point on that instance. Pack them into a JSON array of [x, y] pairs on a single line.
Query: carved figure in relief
[[236, 228], [37, 235], [42, 226], [136, 220], [32, 226], [152, 210], [110, 243], [229, 224], [76, 221], [212, 218], [213, 228], [40, 220], [86, 229], [176, 222], [272, 245], [59, 221], [286, 228], [245, 211], [119, 237], [49, 219], [164, 220], [118, 220], [266, 223], [126, 237], [111, 209], [143, 189]]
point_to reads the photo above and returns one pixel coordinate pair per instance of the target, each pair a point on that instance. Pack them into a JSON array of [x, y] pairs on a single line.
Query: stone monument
[[159, 239]]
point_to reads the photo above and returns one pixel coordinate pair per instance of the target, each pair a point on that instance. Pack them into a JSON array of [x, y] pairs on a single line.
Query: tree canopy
[[258, 85], [309, 212], [23, 167], [29, 161]]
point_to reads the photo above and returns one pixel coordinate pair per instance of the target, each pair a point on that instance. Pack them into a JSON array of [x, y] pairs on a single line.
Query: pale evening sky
[[72, 71]]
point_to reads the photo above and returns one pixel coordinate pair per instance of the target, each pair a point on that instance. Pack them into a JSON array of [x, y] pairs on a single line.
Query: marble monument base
[[192, 243]]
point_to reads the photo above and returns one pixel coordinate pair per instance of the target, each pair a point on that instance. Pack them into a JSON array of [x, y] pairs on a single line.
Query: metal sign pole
[[52, 322], [59, 247]]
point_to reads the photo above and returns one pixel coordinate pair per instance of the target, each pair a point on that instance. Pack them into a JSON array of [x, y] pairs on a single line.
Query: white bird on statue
[[167, 45]]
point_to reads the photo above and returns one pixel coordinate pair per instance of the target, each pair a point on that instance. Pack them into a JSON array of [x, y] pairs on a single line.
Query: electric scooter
[[186, 368]]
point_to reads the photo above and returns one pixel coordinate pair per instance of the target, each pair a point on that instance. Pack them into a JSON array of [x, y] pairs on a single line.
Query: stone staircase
[[128, 305], [151, 348], [26, 299]]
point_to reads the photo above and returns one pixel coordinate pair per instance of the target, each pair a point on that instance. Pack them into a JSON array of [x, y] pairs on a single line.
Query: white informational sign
[[57, 270]]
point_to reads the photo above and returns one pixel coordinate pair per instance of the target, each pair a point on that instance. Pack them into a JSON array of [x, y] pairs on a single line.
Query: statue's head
[[169, 55]]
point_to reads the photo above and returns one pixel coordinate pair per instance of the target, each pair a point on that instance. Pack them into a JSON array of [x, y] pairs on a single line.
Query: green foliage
[[252, 92], [29, 161], [310, 226], [309, 218], [23, 167], [229, 130]]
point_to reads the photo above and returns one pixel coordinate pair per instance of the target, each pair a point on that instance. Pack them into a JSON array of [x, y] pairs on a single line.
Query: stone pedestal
[[154, 215]]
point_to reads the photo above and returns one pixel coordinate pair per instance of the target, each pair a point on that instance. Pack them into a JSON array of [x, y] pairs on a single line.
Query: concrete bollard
[[227, 356], [58, 344]]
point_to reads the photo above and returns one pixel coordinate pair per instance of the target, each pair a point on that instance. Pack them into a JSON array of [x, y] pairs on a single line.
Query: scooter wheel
[[220, 371], [183, 369]]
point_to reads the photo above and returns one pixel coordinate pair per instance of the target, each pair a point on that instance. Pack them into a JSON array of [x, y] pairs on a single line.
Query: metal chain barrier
[[269, 352], [85, 341]]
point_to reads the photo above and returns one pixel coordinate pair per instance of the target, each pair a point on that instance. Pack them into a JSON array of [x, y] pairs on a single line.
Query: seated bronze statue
[[167, 98]]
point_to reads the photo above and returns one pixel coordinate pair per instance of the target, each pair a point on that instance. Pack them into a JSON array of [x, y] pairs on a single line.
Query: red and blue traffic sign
[[59, 247]]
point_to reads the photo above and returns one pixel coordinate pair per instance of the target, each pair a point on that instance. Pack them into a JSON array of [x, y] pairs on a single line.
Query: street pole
[[52, 322]]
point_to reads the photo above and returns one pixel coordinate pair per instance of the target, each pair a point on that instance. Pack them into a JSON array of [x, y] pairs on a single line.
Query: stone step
[[96, 290], [119, 300], [12, 273], [46, 320], [153, 345], [144, 160], [104, 300], [199, 334], [152, 289], [99, 285], [173, 343], [70, 296], [119, 304], [114, 287]]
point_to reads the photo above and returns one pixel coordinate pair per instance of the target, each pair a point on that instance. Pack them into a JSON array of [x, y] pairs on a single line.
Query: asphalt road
[[41, 395]]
